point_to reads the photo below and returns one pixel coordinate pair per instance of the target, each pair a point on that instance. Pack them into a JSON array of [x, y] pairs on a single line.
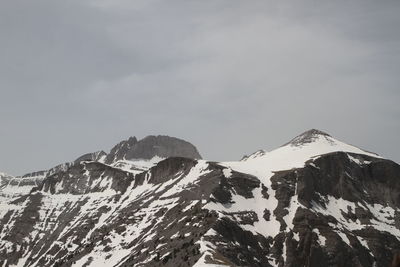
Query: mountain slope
[[130, 155], [312, 202]]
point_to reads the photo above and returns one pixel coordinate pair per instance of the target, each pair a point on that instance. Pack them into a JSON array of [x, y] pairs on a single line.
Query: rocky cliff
[[150, 147]]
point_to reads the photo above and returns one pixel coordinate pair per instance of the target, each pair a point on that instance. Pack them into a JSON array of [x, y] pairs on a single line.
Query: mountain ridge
[[322, 202]]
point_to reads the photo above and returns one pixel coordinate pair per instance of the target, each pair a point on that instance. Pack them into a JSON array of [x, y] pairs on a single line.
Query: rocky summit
[[152, 146], [314, 201]]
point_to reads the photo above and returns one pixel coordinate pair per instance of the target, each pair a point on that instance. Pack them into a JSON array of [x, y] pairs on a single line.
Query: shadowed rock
[[151, 146]]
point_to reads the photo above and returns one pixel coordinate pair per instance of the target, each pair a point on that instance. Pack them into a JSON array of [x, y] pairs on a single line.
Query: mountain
[[130, 155], [22, 185], [314, 201], [150, 147]]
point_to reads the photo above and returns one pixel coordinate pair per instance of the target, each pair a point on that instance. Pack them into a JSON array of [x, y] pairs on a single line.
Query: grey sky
[[229, 76]]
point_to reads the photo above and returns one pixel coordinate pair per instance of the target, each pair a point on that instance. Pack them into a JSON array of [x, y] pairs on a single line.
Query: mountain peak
[[315, 132], [309, 137], [151, 146]]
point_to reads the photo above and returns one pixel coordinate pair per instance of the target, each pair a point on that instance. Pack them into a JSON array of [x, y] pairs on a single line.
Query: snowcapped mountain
[[314, 201], [129, 155]]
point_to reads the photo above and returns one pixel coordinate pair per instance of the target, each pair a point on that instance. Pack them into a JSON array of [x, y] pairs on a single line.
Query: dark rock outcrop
[[308, 137], [95, 156], [151, 146]]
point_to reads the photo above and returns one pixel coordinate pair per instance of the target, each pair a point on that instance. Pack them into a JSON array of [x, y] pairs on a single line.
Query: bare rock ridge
[[95, 156], [151, 146]]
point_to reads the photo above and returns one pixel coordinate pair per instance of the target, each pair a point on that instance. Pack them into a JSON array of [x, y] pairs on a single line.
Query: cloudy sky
[[230, 76]]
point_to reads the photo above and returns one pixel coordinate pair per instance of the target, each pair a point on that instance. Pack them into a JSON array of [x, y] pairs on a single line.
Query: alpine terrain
[[314, 201]]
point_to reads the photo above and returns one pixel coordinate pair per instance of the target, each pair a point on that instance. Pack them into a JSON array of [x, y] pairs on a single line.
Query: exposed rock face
[[130, 155], [22, 185], [338, 197], [95, 156], [4, 180], [151, 146], [308, 137], [323, 204]]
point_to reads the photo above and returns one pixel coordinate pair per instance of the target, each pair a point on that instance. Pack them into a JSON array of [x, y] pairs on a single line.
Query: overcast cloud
[[229, 76]]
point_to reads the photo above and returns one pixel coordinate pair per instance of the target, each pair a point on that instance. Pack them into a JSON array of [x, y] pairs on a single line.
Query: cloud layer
[[230, 76]]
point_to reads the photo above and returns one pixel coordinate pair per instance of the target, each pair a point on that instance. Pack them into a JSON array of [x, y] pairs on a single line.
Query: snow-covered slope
[[21, 185], [303, 147], [4, 177], [315, 201], [130, 155], [307, 146], [136, 165], [302, 150]]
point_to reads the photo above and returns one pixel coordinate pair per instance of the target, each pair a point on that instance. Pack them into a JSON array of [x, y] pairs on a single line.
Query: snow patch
[[321, 238]]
